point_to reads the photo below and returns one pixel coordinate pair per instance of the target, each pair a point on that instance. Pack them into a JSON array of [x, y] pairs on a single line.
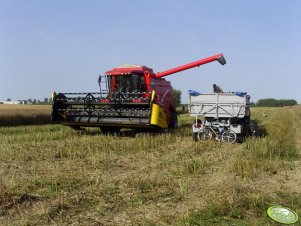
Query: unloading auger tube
[[130, 96]]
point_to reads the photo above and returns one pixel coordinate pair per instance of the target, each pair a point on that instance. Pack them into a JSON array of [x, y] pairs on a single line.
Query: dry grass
[[51, 174], [15, 115], [272, 151]]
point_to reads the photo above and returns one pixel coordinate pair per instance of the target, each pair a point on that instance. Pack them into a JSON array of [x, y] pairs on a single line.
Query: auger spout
[[219, 57]]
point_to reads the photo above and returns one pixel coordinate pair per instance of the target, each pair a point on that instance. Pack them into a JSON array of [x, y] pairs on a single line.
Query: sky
[[63, 45]]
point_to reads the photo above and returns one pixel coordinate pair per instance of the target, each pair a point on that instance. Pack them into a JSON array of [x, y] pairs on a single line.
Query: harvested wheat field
[[51, 174]]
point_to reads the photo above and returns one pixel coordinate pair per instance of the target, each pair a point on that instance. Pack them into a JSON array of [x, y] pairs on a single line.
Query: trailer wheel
[[229, 137], [195, 136], [239, 138], [204, 135]]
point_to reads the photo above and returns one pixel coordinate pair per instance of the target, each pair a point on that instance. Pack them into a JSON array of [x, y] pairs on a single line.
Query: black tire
[[58, 103], [195, 136], [110, 130], [239, 138], [246, 125], [174, 121], [76, 127]]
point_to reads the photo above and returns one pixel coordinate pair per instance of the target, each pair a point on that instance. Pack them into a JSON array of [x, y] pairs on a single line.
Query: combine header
[[131, 96]]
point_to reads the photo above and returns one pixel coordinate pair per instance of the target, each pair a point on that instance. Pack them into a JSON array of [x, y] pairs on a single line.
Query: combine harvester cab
[[131, 96]]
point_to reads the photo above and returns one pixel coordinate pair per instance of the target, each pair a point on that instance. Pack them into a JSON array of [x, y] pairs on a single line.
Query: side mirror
[[99, 80]]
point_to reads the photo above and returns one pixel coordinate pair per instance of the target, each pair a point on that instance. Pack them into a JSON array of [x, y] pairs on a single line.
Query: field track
[[51, 174]]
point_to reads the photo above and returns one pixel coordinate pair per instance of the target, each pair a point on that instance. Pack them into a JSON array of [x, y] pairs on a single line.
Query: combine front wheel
[[174, 121], [110, 130]]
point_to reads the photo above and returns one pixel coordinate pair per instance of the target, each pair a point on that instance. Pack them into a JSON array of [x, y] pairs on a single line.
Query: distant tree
[[8, 99], [50, 100], [34, 101], [177, 96], [45, 100], [252, 104], [29, 100], [270, 102]]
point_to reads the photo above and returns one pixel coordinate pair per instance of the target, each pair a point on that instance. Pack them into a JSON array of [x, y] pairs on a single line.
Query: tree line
[[270, 102], [34, 101]]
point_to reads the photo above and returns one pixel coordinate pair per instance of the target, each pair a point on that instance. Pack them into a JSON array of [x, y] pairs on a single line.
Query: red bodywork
[[155, 81], [130, 96]]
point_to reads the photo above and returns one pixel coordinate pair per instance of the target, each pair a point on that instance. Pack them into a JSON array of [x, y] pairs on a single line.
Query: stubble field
[[51, 174]]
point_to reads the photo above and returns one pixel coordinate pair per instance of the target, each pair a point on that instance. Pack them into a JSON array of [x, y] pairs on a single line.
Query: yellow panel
[[158, 116], [153, 95], [53, 95]]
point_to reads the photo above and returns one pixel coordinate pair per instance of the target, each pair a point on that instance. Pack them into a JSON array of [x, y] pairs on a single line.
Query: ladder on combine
[[103, 85]]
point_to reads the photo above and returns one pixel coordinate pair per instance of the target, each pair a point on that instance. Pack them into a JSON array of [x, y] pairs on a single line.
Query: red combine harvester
[[131, 96]]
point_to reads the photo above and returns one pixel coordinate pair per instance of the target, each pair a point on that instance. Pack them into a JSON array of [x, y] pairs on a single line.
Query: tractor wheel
[[174, 121]]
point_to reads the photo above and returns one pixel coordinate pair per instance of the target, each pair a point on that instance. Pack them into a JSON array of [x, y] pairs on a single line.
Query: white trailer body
[[228, 111], [219, 105]]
